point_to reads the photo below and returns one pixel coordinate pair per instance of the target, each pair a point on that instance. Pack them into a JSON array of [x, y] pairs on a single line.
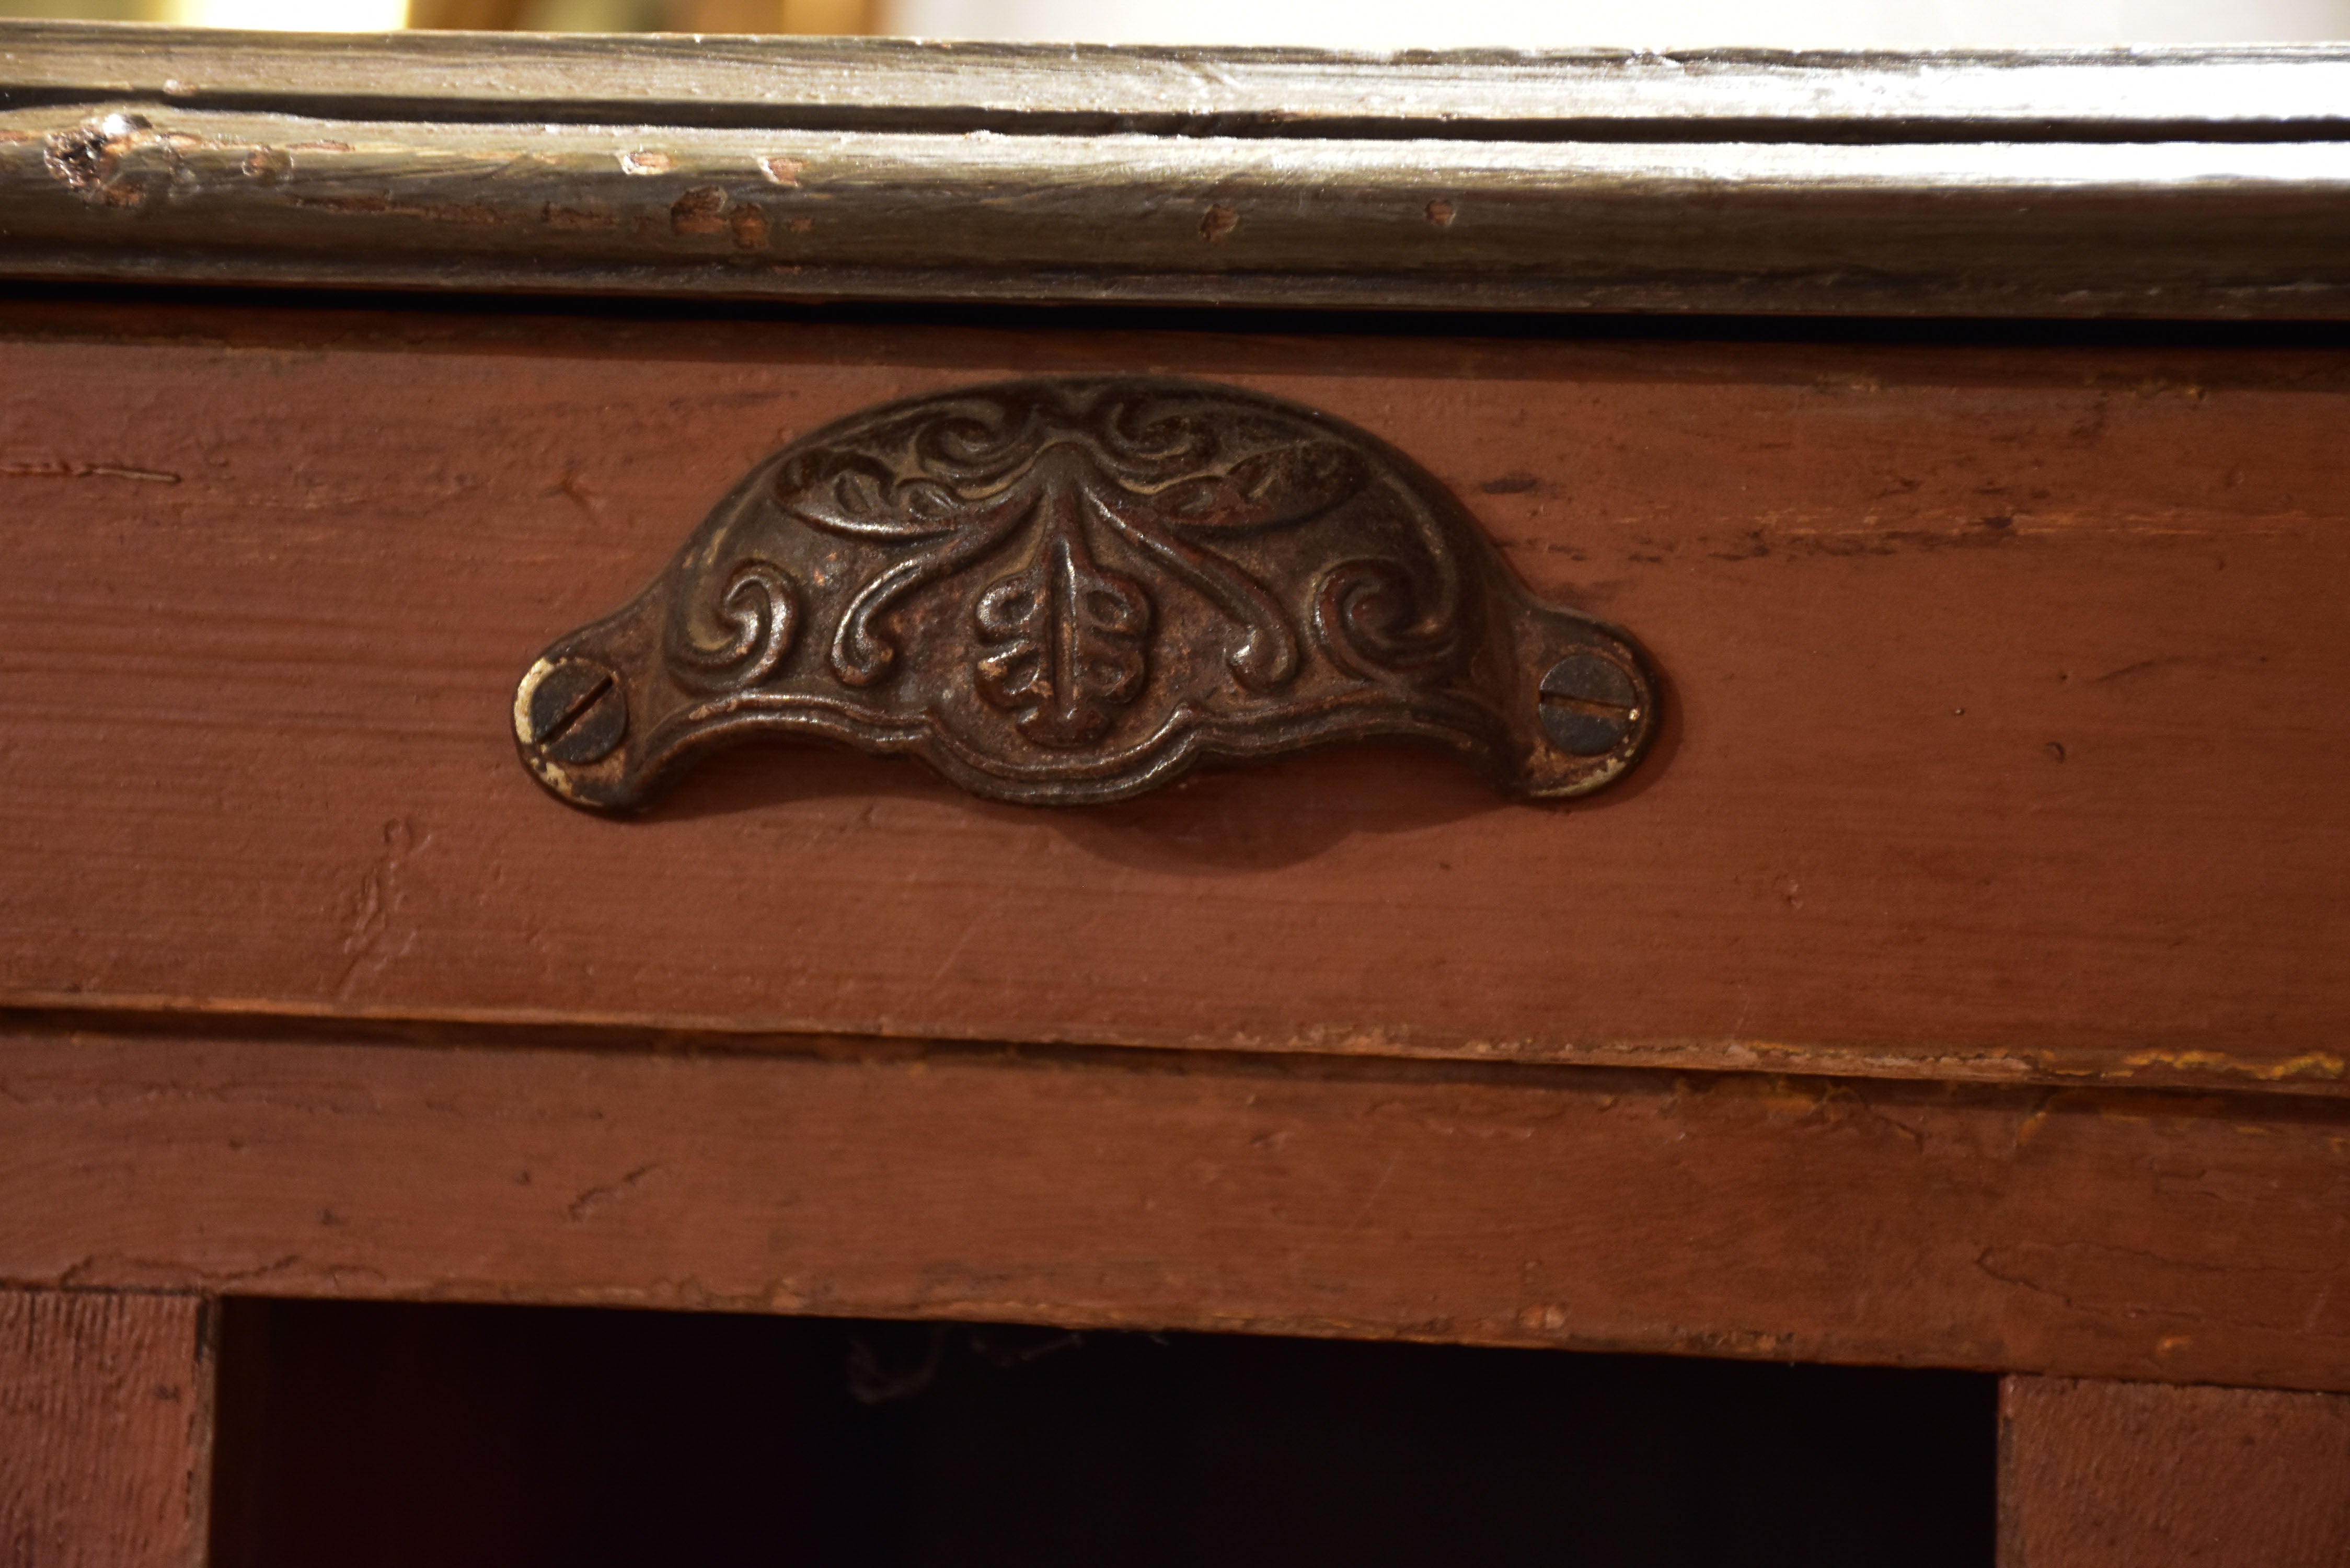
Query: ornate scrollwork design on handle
[[1071, 590]]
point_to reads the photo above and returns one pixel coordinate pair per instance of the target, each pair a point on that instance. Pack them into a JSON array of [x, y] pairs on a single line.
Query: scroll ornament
[[1072, 590]]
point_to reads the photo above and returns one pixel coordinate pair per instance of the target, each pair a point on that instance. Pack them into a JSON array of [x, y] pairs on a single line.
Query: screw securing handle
[[570, 711], [1072, 590]]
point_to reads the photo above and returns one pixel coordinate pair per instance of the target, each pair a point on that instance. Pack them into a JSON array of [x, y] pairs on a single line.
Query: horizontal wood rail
[[2178, 183], [2141, 1235]]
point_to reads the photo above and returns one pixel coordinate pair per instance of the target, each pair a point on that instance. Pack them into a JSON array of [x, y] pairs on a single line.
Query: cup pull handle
[[1072, 590]]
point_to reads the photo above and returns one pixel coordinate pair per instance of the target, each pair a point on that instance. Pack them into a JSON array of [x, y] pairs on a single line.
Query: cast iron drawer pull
[[1071, 590]]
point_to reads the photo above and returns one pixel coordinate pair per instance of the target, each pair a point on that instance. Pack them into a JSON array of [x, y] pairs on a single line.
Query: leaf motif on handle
[[1069, 636]]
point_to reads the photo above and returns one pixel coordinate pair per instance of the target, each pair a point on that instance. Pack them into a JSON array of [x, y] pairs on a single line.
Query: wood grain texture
[[2003, 732], [105, 1429], [2003, 725], [2181, 186], [2135, 1475], [2116, 1234]]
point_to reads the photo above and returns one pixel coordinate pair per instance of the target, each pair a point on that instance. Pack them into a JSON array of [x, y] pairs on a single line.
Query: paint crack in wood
[[596, 1197]]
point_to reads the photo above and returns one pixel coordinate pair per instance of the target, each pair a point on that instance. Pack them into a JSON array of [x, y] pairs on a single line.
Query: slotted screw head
[[1587, 705], [572, 710]]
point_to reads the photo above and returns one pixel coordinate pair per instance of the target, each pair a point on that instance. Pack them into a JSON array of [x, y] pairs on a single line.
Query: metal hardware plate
[[1072, 590]]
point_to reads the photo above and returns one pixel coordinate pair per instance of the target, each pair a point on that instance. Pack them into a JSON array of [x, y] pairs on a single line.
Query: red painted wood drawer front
[[2003, 736]]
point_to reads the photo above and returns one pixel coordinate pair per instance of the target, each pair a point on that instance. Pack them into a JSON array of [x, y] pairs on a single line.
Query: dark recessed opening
[[358, 1435]]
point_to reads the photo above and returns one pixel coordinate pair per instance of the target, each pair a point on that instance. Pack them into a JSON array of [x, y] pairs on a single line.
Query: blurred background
[[1327, 24]]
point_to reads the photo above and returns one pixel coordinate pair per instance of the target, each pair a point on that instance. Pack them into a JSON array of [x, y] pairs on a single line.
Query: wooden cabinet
[[1957, 982]]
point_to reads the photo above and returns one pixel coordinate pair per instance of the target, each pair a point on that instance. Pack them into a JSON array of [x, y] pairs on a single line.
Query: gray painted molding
[[2178, 183]]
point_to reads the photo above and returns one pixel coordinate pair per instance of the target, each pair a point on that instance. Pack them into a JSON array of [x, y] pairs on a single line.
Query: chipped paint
[[2310, 1064], [87, 471]]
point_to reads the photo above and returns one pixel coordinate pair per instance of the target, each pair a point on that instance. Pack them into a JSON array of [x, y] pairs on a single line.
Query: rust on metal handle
[[1071, 590]]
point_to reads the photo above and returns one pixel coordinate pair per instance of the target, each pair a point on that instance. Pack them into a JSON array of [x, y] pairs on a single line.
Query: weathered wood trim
[[2137, 1475], [2140, 1235], [872, 84], [106, 1418], [2187, 184]]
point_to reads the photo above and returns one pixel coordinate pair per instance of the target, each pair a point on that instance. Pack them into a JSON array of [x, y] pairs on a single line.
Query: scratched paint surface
[[2003, 731]]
